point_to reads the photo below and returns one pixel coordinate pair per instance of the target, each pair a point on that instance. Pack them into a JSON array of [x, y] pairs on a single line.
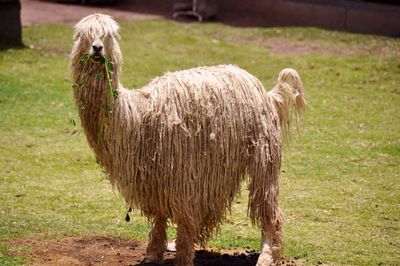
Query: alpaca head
[[96, 35]]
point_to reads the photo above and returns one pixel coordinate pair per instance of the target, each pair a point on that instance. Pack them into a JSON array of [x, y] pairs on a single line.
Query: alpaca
[[179, 147]]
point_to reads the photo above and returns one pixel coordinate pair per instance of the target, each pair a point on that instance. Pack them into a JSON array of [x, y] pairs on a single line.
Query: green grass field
[[340, 179]]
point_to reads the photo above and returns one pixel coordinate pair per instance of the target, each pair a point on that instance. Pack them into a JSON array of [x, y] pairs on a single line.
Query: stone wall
[[348, 15]]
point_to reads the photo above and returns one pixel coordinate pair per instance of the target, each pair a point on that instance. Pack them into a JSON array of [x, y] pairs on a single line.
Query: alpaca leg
[[277, 240], [264, 205], [184, 246], [265, 258], [158, 241], [271, 239]]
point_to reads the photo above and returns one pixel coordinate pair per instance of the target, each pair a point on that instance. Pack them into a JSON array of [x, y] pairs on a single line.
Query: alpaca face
[[97, 36]]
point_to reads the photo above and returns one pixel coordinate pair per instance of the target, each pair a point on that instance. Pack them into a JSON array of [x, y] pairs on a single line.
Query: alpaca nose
[[97, 48]]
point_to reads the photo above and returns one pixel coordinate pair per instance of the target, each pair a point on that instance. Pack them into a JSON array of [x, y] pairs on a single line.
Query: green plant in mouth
[[108, 67]]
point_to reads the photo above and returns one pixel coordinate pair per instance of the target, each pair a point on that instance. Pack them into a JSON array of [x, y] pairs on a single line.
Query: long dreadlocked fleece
[[180, 147]]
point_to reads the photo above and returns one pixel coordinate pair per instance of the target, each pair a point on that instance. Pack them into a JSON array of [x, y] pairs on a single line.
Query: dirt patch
[[35, 12], [102, 250], [289, 47], [283, 46]]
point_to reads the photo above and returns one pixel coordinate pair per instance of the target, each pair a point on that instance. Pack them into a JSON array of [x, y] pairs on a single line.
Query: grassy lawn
[[340, 177]]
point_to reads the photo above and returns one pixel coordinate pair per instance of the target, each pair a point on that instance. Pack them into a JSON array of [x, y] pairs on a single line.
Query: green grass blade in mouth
[[84, 59], [109, 67]]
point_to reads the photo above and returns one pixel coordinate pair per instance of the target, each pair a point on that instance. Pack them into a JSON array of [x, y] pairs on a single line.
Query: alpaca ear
[[76, 35], [116, 31]]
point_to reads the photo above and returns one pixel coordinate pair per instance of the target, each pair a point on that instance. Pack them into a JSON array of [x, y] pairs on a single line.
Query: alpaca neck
[[94, 99]]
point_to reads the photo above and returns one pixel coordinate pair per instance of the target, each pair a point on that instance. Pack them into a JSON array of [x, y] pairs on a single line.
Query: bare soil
[[35, 12], [282, 45], [104, 250]]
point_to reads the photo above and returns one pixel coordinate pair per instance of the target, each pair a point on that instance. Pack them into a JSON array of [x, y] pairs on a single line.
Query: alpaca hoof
[[153, 260], [171, 246], [265, 260]]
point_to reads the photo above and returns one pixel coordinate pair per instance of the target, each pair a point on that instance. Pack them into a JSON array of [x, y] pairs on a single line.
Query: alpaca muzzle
[[96, 51], [97, 48]]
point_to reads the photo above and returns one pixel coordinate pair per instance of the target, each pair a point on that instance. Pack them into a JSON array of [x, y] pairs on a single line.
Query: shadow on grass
[[17, 46]]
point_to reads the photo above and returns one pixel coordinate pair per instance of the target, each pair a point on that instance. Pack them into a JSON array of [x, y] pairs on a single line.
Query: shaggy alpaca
[[180, 147]]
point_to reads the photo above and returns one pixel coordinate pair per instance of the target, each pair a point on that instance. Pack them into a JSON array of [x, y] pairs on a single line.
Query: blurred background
[[380, 17]]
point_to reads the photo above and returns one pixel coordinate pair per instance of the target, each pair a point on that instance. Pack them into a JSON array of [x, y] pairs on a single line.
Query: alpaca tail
[[287, 98]]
